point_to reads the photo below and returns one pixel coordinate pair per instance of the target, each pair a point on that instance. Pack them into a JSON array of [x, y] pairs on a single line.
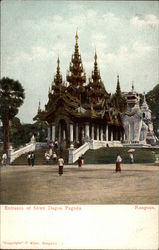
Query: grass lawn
[[108, 155]]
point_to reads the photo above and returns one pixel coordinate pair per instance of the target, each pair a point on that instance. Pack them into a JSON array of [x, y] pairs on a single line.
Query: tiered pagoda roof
[[96, 87], [78, 99], [76, 75]]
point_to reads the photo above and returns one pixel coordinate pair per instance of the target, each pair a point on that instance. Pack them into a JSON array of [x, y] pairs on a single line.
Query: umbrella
[[131, 150]]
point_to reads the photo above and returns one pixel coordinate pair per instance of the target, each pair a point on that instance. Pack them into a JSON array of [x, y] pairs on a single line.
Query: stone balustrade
[[74, 154], [12, 155]]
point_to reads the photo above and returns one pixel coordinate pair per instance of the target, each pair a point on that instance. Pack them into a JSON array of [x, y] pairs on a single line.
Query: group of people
[[31, 158], [49, 155]]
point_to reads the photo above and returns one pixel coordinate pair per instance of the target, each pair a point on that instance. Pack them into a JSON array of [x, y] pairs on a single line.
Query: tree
[[152, 98], [11, 98]]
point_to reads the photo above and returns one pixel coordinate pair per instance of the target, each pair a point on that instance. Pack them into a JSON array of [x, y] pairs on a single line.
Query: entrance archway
[[62, 132]]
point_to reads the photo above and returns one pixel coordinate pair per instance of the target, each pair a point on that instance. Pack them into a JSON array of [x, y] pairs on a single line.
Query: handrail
[[12, 155]]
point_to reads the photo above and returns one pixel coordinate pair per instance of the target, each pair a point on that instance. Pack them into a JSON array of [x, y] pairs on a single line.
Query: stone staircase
[[40, 158]]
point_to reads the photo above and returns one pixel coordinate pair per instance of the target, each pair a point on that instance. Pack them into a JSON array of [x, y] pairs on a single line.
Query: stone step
[[40, 158]]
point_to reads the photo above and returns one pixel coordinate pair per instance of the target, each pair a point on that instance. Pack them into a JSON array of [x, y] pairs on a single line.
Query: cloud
[[147, 21], [111, 18]]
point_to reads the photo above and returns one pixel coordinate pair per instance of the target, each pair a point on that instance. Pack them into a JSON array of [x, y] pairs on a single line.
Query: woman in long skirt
[[60, 163], [118, 161], [79, 162]]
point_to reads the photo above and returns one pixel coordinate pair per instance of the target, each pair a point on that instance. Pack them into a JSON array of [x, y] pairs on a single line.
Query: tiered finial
[[76, 76], [95, 57], [39, 109], [118, 91], [132, 85], [76, 36], [58, 66], [76, 44], [58, 76]]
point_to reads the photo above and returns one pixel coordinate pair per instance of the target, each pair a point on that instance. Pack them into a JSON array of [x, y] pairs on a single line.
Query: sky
[[125, 35]]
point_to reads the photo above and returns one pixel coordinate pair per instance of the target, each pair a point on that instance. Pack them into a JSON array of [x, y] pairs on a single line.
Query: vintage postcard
[[79, 124]]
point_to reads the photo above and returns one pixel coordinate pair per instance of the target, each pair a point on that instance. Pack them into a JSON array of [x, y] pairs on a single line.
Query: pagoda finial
[[95, 56], [132, 85], [76, 36], [76, 45], [76, 75], [58, 65], [118, 91], [58, 61], [39, 109], [58, 76]]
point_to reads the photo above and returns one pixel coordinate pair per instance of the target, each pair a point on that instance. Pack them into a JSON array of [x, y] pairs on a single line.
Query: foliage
[[11, 96], [20, 134], [152, 98]]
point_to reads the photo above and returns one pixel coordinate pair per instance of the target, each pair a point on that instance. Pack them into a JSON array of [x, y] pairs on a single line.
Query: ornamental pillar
[[101, 134], [87, 130], [92, 132], [106, 133], [59, 132], [48, 134], [97, 133], [71, 132], [53, 132], [121, 135], [77, 139], [111, 135]]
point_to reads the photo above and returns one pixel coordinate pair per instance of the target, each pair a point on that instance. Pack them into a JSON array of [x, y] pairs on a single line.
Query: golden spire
[[76, 45], [132, 85], [39, 109], [58, 65], [76, 36], [95, 57]]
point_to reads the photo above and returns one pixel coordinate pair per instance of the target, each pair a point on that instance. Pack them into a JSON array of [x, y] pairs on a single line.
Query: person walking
[[82, 159], [32, 159], [131, 158], [118, 162], [47, 157], [54, 156], [29, 158], [56, 145], [60, 164], [4, 160], [79, 162]]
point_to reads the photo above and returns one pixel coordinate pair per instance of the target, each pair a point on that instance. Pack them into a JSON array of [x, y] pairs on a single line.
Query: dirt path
[[93, 184]]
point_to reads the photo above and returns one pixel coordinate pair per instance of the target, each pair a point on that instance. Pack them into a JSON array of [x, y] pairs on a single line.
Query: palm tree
[[11, 98]]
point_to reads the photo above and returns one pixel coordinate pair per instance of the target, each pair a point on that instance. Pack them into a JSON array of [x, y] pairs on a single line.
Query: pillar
[[111, 135], [71, 132], [77, 132], [101, 133], [87, 130], [53, 132], [48, 133], [121, 135], [92, 132], [106, 133], [97, 133], [59, 132], [64, 134]]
